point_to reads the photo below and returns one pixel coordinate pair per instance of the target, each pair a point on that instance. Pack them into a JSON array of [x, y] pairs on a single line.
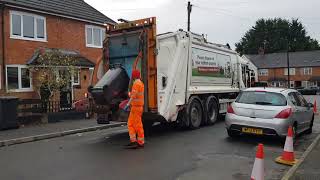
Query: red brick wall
[[277, 73], [61, 33], [1, 55]]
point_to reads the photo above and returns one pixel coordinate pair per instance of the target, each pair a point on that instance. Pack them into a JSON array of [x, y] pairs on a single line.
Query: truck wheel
[[147, 126], [182, 122], [212, 110], [194, 112]]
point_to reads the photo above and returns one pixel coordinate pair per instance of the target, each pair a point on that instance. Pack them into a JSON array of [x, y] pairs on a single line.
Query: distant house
[[273, 68], [71, 27]]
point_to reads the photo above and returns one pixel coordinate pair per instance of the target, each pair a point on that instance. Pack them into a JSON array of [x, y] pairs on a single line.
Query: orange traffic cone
[[287, 157], [315, 110], [258, 166]]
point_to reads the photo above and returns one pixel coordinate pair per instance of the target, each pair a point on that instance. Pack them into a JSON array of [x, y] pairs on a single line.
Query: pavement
[[309, 169], [40, 129], [205, 153]]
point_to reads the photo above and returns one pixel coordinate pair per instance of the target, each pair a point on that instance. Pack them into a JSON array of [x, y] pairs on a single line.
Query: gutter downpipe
[[3, 79]]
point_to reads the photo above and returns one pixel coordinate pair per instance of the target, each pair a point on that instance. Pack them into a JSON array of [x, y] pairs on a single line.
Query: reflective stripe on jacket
[[137, 93]]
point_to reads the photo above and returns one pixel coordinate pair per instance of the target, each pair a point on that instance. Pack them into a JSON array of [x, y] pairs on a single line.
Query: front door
[[65, 98], [65, 93]]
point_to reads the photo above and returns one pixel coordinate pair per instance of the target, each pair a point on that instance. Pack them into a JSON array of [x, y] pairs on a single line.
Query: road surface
[[206, 153]]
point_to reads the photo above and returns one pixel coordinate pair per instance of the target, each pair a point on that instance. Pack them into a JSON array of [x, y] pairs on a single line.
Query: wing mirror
[[310, 105]]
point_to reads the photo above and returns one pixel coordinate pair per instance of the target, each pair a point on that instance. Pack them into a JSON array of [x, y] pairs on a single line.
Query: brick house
[[72, 27], [273, 68]]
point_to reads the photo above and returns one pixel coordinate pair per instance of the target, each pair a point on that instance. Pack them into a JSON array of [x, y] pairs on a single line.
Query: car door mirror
[[310, 105]]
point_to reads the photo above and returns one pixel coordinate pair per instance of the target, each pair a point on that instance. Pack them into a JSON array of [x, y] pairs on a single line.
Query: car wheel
[[212, 110], [194, 112], [232, 133], [309, 131]]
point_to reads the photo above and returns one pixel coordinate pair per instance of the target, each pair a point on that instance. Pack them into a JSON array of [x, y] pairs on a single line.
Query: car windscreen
[[262, 98]]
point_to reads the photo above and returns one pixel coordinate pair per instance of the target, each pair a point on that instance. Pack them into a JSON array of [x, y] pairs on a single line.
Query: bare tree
[[53, 71]]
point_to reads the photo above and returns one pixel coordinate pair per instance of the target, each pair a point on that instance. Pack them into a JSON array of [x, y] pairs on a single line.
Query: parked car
[[309, 91], [269, 111]]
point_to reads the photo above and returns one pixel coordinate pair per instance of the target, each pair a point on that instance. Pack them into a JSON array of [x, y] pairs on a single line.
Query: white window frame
[[20, 89], [292, 71], [21, 37], [103, 31], [311, 84], [277, 84], [72, 79], [308, 70], [263, 72]]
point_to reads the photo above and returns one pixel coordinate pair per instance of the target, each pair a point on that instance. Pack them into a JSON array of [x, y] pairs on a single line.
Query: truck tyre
[[194, 112], [182, 122], [211, 110], [147, 126]]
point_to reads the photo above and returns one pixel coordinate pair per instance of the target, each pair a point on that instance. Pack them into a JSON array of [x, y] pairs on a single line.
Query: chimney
[[261, 51]]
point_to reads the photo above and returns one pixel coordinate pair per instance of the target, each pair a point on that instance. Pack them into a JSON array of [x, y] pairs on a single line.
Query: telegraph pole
[[288, 62], [189, 13]]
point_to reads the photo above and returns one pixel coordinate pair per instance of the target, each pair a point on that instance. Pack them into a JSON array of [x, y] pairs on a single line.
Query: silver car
[[269, 111]]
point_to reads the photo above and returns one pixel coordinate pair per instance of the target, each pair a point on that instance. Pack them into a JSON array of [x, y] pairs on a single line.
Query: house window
[[76, 77], [307, 71], [307, 84], [292, 71], [277, 84], [304, 84], [263, 72], [312, 84], [18, 78], [94, 36], [27, 26]]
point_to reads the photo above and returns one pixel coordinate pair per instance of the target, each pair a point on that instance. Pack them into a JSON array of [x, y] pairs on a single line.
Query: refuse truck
[[188, 80]]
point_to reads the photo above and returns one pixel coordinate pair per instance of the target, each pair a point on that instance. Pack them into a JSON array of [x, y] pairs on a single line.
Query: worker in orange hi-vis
[[136, 102]]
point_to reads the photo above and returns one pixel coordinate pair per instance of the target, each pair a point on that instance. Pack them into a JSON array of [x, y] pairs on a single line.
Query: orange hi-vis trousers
[[135, 125]]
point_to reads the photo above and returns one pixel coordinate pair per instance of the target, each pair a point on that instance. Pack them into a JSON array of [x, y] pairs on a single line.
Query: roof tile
[[73, 8], [279, 60]]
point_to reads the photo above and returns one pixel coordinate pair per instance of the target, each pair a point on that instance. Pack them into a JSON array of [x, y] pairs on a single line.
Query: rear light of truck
[[230, 110], [284, 114]]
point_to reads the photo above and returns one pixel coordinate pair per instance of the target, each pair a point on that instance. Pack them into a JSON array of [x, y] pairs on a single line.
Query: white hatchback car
[[269, 111]]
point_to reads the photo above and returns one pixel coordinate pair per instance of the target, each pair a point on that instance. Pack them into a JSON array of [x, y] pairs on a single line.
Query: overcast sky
[[224, 21]]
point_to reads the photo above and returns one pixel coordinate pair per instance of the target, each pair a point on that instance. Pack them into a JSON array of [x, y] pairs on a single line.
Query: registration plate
[[252, 131]]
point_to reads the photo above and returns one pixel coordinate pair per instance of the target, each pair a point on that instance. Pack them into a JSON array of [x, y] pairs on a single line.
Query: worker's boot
[[132, 145], [140, 146]]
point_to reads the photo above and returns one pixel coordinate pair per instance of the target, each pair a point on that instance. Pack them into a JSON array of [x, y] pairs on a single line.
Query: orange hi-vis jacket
[[137, 93]]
